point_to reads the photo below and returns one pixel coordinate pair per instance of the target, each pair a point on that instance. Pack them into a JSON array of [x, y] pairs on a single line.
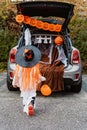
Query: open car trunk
[[47, 8], [51, 65]]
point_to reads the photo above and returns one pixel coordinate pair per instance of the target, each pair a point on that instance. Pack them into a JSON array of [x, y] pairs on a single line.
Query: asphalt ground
[[60, 111]]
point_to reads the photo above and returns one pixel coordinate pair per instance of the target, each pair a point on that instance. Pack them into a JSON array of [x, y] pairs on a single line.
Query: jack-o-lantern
[[45, 26], [39, 24], [51, 27], [26, 19], [58, 27], [19, 18], [33, 22], [58, 40]]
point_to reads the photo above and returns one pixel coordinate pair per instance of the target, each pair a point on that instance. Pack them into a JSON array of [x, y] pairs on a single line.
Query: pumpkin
[[51, 27], [39, 24], [19, 18], [58, 27], [26, 19], [45, 90], [58, 40], [33, 22], [45, 26]]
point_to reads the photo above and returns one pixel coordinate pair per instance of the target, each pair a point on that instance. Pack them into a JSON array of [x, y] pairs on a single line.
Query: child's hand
[[43, 78]]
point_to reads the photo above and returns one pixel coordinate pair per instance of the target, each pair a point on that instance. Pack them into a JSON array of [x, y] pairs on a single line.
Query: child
[[27, 75]]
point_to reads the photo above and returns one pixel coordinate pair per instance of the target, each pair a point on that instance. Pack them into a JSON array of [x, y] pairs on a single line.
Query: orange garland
[[38, 24]]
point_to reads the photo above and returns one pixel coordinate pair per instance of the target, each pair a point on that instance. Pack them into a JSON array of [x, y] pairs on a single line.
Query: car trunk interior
[[50, 67]]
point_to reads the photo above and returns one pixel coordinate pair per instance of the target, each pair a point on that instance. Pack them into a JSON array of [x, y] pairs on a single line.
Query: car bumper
[[72, 74], [68, 81]]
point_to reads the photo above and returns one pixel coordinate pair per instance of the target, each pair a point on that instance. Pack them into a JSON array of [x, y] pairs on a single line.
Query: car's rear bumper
[[72, 73], [70, 82]]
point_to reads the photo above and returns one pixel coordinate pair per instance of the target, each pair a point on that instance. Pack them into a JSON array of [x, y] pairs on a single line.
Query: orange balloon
[[58, 40], [45, 90], [20, 18]]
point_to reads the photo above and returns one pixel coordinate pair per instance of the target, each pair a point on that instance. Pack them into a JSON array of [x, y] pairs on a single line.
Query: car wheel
[[77, 88], [10, 87]]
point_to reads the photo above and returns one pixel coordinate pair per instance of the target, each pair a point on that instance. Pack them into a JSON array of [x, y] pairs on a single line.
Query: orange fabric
[[26, 78], [53, 73], [54, 76]]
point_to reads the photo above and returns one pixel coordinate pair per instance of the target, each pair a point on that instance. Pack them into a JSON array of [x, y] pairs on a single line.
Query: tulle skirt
[[26, 78]]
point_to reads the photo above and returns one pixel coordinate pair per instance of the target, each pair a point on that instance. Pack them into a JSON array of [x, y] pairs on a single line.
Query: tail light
[[12, 55], [75, 57], [77, 76], [11, 75]]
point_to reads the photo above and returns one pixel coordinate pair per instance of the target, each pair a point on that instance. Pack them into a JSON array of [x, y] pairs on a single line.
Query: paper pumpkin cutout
[[20, 18], [39, 24], [26, 20]]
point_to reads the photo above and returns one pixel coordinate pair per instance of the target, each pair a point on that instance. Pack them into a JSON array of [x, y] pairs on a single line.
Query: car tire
[[10, 86], [77, 88]]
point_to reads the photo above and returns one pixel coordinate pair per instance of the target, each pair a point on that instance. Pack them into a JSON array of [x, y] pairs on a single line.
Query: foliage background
[[10, 31]]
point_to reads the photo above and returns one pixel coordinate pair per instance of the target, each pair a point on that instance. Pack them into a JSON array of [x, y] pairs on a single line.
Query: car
[[52, 20]]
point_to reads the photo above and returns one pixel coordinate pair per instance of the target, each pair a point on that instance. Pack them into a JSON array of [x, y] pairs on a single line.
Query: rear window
[[51, 19]]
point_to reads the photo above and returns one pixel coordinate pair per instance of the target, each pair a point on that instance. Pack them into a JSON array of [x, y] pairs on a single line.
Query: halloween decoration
[[38, 24], [20, 18], [58, 40], [45, 90]]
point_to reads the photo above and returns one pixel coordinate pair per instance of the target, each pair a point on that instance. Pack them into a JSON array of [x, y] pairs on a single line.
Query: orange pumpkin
[[33, 22], [26, 19], [45, 26], [39, 24], [51, 27], [58, 27], [58, 40], [20, 18], [45, 90]]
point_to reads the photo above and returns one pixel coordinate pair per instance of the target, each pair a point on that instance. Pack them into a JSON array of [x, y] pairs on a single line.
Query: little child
[[27, 75]]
